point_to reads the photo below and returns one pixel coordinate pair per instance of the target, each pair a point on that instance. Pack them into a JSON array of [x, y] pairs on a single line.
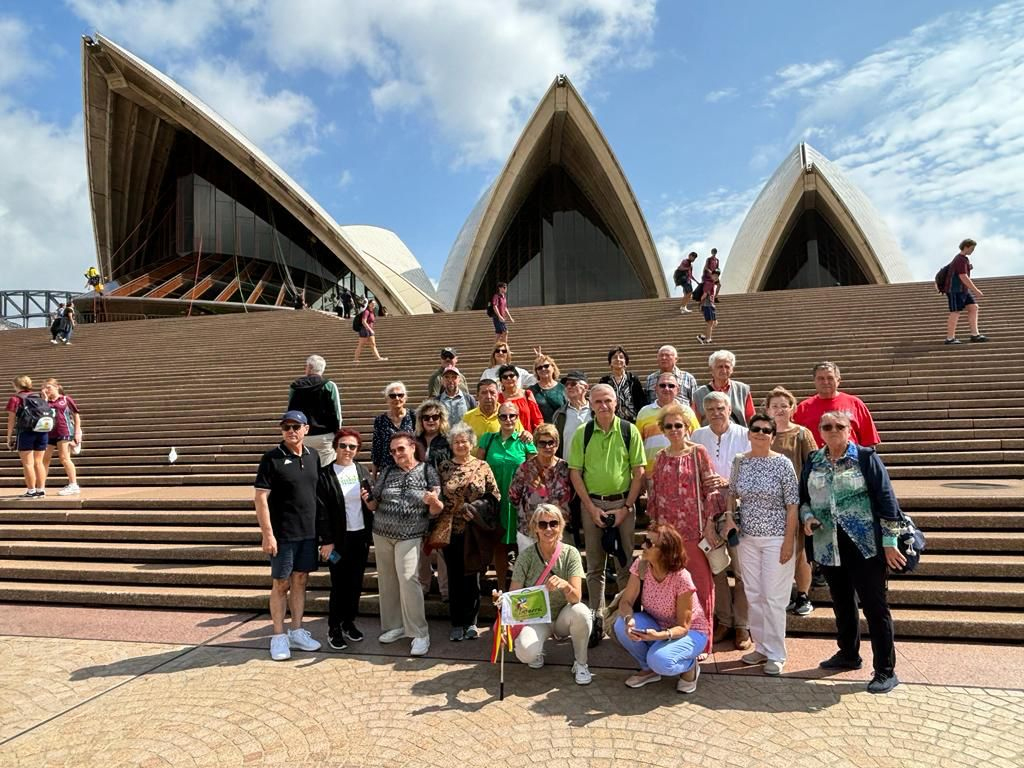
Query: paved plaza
[[198, 689]]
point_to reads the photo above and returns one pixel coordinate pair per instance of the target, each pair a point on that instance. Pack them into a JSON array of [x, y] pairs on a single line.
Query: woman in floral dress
[[541, 479]]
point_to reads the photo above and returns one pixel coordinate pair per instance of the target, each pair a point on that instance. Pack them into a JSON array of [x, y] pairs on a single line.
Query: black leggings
[[463, 587]]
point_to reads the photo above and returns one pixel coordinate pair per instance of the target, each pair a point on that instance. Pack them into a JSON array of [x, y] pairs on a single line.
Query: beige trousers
[[573, 621], [401, 597], [596, 555]]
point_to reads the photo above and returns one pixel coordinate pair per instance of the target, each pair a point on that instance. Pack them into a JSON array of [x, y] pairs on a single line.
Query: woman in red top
[[366, 333], [529, 411], [65, 435]]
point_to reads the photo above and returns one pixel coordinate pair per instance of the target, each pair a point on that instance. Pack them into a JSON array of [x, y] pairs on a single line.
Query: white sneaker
[[53, 341], [687, 310], [391, 636], [279, 650], [582, 673], [69, 490], [774, 667], [538, 662], [301, 639], [689, 686], [420, 646]]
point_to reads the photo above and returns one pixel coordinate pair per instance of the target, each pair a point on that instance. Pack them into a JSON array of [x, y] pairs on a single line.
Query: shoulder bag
[[718, 557]]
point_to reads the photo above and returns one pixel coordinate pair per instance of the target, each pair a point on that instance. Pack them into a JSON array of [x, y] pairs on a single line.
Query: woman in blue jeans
[[671, 631]]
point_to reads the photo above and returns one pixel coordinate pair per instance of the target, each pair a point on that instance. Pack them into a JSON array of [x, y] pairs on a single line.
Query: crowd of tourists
[[524, 471]]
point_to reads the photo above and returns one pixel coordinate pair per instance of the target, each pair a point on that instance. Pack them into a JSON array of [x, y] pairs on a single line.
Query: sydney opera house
[[188, 212]]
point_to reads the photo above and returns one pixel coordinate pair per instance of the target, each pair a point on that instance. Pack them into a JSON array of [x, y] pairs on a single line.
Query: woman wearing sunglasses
[[559, 567], [549, 392], [763, 486], [541, 479], [851, 519], [685, 495], [344, 523], [502, 355], [529, 411], [668, 635], [432, 435], [396, 419], [504, 451]]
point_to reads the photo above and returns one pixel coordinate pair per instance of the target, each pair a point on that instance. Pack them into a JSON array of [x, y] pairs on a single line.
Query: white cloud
[[16, 61], [721, 95], [796, 77], [282, 124], [477, 76], [345, 178], [154, 26]]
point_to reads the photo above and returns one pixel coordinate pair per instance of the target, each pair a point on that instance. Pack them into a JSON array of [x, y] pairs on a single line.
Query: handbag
[[540, 580], [718, 557], [911, 543]]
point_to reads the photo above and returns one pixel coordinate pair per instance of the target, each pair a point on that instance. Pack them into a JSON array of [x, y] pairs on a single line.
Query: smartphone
[[365, 485], [733, 538], [815, 525]]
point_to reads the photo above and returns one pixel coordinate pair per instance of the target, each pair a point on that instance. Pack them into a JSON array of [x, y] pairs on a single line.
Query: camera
[[608, 520]]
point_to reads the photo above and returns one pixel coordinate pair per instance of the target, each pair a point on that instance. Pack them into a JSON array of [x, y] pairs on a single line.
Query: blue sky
[[399, 114]]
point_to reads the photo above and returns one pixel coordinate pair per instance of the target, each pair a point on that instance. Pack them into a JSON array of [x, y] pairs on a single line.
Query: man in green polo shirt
[[608, 477]]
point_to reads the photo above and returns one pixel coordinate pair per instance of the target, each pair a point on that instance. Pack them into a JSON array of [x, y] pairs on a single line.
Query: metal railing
[[25, 309]]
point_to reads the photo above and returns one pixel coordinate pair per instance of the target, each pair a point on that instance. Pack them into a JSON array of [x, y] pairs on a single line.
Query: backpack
[[34, 414], [941, 277], [490, 310], [624, 427], [698, 292], [357, 322]]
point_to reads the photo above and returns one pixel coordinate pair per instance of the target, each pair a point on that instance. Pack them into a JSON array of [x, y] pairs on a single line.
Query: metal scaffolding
[[24, 309]]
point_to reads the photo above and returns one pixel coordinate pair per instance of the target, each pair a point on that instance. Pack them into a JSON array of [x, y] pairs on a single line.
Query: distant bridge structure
[[24, 309]]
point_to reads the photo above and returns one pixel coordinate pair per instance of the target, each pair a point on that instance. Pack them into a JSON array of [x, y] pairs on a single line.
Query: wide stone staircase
[[148, 532]]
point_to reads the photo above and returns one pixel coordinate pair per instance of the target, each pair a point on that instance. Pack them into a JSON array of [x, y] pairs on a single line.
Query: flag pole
[[501, 679]]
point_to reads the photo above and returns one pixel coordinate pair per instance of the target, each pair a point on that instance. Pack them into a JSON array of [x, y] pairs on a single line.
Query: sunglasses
[[673, 427], [501, 351], [447, 356], [762, 430], [508, 416], [396, 395], [543, 367], [291, 427], [543, 525], [546, 443], [836, 427], [430, 417], [647, 543], [400, 449], [510, 375], [666, 386], [348, 447]]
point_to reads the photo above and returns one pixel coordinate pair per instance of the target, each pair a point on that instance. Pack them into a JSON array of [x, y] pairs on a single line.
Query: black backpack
[[34, 414], [941, 277], [357, 322], [624, 427], [490, 310]]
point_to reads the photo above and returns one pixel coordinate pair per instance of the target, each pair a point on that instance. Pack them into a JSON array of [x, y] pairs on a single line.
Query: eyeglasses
[[546, 443], [396, 395], [762, 430], [572, 383], [667, 386], [508, 416], [430, 417], [836, 427], [543, 367], [543, 525], [348, 447], [291, 427], [399, 449], [510, 375], [673, 427], [501, 351], [647, 543]]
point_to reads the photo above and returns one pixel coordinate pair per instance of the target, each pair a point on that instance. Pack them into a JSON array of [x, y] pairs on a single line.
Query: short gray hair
[[393, 386], [462, 429], [722, 354], [316, 364], [668, 348], [712, 397], [596, 387]]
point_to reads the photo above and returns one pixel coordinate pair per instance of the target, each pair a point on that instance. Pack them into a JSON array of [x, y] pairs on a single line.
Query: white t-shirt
[[348, 478], [722, 448], [574, 419]]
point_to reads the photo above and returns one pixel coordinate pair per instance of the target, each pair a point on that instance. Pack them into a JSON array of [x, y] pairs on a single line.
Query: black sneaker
[[351, 633], [818, 577], [883, 683], [336, 639], [838, 661], [802, 605], [978, 338], [952, 341]]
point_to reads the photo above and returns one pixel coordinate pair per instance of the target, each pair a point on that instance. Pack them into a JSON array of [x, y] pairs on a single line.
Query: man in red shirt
[[961, 292], [828, 398], [501, 317]]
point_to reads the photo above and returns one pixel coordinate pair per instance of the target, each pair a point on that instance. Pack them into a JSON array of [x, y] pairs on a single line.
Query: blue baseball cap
[[297, 416]]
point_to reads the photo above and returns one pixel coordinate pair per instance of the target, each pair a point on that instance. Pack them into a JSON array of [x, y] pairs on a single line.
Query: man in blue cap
[[286, 511]]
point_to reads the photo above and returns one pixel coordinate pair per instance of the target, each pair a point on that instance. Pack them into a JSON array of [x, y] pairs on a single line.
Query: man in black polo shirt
[[286, 512]]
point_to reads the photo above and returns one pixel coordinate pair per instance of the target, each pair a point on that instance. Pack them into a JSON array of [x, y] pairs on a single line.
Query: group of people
[[39, 425], [528, 468], [705, 293], [62, 324]]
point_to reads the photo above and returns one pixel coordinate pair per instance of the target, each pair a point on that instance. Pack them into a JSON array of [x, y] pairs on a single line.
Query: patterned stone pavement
[[69, 702]]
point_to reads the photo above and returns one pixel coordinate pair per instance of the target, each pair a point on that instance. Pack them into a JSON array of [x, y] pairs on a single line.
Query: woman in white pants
[[765, 489]]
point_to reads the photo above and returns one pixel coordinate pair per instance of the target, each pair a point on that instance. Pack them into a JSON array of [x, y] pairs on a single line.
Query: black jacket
[[636, 389], [315, 396], [331, 521]]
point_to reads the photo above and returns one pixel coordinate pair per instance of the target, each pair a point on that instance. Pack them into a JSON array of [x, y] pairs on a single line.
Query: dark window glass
[[813, 255], [558, 250]]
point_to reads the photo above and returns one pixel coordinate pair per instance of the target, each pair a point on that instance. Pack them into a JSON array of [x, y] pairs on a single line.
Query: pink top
[[673, 497], [500, 304], [659, 598]]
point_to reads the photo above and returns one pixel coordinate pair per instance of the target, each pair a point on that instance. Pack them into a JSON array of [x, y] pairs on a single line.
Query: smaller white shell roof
[[387, 255], [764, 225]]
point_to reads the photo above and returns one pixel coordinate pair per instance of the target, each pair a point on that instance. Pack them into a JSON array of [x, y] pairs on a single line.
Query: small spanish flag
[[502, 634]]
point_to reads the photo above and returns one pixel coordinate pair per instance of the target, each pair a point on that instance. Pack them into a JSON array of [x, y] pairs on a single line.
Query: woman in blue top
[[504, 452], [851, 519]]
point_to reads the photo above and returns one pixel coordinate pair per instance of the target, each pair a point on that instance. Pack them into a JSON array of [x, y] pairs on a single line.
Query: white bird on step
[[172, 456]]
